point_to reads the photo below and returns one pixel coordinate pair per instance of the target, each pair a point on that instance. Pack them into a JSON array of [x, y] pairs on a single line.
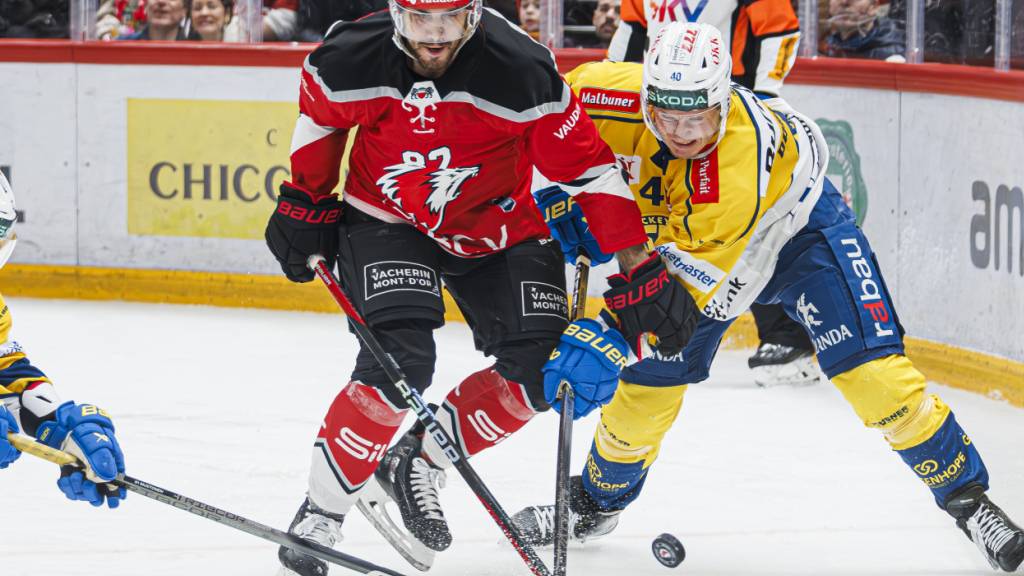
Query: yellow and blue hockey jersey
[[719, 221], [16, 372]]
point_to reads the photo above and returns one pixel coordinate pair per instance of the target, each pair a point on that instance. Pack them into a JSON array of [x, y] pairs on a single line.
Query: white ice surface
[[222, 405]]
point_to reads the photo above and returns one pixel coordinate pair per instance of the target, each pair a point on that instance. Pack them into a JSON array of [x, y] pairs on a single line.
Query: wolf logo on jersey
[[412, 182]]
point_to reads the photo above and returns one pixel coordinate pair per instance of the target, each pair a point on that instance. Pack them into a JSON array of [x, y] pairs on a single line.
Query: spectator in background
[[606, 20], [207, 19], [857, 30], [164, 19], [506, 8], [979, 22], [529, 17], [116, 18], [280, 20], [33, 18], [317, 16], [592, 26], [957, 31]]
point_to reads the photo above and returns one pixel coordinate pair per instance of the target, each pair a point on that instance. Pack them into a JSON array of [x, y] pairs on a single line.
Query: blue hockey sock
[[613, 485], [947, 461]]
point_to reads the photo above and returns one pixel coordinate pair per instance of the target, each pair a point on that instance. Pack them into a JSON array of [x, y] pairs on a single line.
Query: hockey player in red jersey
[[454, 107]]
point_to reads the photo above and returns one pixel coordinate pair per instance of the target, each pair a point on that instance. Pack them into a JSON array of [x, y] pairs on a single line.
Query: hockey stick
[[30, 446], [566, 394], [426, 416]]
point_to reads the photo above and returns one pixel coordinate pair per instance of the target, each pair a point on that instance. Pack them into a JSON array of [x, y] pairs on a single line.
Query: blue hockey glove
[[8, 453], [565, 219], [590, 358], [86, 432]]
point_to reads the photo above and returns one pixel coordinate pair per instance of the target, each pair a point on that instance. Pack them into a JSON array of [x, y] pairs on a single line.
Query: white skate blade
[[800, 372], [371, 503]]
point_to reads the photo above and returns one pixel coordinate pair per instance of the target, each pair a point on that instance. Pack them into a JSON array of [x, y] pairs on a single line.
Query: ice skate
[[778, 365], [991, 530], [413, 483], [586, 520], [408, 481], [314, 525]]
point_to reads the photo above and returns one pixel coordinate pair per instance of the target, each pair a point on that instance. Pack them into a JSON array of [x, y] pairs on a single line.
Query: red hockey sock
[[485, 408], [351, 443]]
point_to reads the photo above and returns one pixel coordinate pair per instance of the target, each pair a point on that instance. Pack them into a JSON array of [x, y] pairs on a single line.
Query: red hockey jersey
[[453, 156]]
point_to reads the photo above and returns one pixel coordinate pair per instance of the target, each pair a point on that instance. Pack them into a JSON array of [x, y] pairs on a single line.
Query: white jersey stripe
[[307, 132]]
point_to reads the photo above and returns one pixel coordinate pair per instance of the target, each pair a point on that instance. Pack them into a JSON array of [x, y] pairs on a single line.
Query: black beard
[[433, 69]]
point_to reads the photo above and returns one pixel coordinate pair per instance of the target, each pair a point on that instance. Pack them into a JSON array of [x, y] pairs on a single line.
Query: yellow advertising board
[[206, 168]]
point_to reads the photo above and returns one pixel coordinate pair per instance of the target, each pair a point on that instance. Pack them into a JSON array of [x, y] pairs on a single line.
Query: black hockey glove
[[648, 300], [299, 228]]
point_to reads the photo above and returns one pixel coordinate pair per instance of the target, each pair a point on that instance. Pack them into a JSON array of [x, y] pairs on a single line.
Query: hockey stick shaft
[[565, 392], [562, 480], [29, 446], [426, 416]]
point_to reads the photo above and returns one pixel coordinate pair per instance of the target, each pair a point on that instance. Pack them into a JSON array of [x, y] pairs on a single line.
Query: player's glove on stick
[[648, 300], [590, 358], [8, 453], [85, 431], [567, 224], [298, 228]]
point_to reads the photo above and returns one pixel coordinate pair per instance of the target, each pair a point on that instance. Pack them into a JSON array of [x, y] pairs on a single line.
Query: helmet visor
[[687, 126], [434, 27]]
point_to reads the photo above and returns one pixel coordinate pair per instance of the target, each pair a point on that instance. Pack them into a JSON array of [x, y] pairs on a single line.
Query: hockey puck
[[668, 550]]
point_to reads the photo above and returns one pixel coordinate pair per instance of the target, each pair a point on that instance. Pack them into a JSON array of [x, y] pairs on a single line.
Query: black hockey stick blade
[[425, 415], [30, 446]]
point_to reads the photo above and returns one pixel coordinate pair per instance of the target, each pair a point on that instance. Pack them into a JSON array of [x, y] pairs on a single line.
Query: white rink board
[[104, 91], [874, 117], [919, 156], [37, 145], [949, 297]]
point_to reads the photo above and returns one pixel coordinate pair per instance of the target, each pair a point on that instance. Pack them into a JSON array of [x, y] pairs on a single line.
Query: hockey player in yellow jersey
[[27, 397], [736, 199], [762, 37]]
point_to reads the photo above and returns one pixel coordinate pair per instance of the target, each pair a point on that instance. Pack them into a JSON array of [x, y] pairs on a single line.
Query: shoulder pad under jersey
[[514, 71], [357, 55], [609, 89]]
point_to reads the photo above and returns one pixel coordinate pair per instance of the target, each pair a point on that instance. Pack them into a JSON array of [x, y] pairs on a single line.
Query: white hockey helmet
[[688, 69], [7, 219], [435, 21]]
